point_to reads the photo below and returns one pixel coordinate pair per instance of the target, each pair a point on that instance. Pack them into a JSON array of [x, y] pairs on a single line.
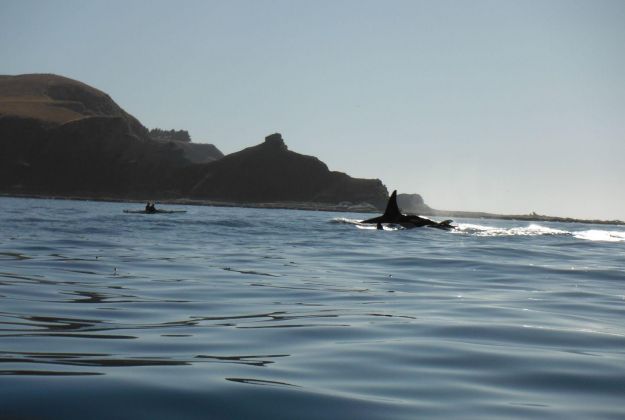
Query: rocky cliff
[[412, 203], [271, 172], [61, 137]]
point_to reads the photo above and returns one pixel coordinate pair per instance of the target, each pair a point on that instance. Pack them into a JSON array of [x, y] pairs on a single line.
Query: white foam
[[374, 227], [531, 230], [358, 223], [601, 235], [346, 220]]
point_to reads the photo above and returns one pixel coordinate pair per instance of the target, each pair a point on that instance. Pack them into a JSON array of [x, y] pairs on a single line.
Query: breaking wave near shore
[[532, 229], [540, 230]]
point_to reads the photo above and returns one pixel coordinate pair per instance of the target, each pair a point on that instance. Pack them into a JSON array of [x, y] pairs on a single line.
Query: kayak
[[154, 211]]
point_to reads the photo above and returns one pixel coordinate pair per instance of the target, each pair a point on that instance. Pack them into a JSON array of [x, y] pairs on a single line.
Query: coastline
[[283, 205], [521, 217], [312, 206]]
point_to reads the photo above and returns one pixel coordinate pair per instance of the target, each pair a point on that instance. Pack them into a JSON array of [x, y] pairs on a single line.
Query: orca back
[[391, 214]]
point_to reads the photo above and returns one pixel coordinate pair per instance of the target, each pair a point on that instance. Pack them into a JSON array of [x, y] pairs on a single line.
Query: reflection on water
[[252, 381], [247, 313]]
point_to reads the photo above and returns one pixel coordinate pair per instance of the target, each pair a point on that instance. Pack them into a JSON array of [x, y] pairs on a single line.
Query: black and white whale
[[393, 215]]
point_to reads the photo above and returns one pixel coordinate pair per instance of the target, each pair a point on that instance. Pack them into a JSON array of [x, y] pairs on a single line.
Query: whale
[[393, 215]]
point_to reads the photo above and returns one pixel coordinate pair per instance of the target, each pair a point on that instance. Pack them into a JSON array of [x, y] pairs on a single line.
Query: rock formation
[[62, 137], [412, 203], [59, 136], [271, 172], [195, 152]]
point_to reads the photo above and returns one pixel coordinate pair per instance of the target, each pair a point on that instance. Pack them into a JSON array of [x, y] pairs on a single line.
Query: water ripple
[[125, 316]]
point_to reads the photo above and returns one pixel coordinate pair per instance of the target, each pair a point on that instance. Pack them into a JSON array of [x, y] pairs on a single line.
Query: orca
[[393, 215]]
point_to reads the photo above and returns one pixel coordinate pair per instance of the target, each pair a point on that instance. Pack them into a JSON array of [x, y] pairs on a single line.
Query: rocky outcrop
[[412, 203], [271, 172], [200, 152], [56, 100], [61, 137]]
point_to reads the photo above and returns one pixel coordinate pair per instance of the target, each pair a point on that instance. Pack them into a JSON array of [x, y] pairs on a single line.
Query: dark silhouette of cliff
[[62, 137], [412, 203], [271, 172], [195, 152], [200, 152]]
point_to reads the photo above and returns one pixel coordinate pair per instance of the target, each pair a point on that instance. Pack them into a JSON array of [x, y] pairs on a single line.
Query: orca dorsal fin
[[392, 210]]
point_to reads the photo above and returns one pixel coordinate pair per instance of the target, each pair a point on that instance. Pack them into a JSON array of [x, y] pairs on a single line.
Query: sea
[[242, 313]]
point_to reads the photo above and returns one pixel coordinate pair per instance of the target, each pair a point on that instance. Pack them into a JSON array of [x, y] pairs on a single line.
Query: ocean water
[[233, 313]]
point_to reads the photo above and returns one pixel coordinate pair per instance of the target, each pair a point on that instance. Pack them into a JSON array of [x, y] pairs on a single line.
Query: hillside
[[412, 204], [62, 137], [55, 100], [271, 172], [195, 152]]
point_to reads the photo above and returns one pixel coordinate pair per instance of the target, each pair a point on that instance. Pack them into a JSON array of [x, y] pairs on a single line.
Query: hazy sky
[[503, 106]]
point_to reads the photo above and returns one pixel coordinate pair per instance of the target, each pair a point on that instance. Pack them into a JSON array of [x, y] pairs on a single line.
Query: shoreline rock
[[61, 137]]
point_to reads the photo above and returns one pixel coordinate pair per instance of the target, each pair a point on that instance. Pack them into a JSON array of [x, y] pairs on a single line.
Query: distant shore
[[284, 205], [532, 217], [311, 206]]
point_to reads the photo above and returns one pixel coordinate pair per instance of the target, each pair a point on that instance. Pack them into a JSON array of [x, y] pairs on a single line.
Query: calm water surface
[[223, 313]]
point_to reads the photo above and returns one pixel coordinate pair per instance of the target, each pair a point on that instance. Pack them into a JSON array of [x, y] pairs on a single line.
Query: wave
[[533, 229], [358, 223], [345, 221], [601, 235], [538, 230]]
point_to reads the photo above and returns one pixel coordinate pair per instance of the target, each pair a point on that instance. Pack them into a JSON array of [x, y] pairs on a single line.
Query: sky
[[484, 105]]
